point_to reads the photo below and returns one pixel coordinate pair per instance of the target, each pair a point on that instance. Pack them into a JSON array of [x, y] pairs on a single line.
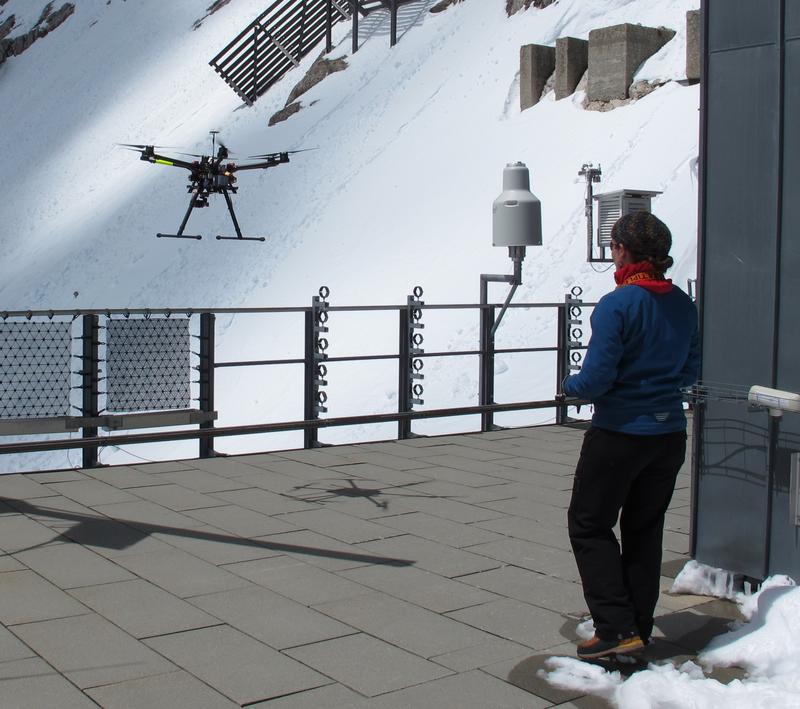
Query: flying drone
[[208, 175]]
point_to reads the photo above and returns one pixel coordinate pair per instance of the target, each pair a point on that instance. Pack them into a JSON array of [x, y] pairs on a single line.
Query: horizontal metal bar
[[131, 439], [180, 312], [362, 358]]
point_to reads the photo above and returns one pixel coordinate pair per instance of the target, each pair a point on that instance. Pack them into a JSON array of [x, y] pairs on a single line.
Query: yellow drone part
[[164, 162]]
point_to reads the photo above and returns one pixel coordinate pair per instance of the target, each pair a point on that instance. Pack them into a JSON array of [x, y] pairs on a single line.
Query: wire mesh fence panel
[[148, 364], [34, 369]]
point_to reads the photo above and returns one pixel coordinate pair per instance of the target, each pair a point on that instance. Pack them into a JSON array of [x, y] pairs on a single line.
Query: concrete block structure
[[693, 45], [615, 53], [536, 64], [572, 58]]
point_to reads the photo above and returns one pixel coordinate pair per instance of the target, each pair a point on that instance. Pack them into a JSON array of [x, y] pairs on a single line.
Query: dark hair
[[646, 237]]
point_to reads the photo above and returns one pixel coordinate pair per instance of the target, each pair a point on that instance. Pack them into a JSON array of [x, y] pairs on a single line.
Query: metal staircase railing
[[275, 42]]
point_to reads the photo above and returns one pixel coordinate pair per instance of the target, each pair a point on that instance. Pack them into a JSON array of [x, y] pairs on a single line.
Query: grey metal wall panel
[[792, 19], [785, 537], [742, 23], [741, 151], [733, 496], [741, 155]]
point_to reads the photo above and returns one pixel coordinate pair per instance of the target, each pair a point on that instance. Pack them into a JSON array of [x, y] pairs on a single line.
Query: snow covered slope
[[411, 145]]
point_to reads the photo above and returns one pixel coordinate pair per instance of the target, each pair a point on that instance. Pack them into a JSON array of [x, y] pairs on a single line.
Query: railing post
[[486, 381], [90, 376], [328, 26], [404, 378], [393, 31], [569, 343], [354, 4], [315, 368], [206, 371], [256, 27], [562, 359]]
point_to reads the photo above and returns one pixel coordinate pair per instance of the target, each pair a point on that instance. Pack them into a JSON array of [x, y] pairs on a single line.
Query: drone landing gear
[[180, 234], [238, 236]]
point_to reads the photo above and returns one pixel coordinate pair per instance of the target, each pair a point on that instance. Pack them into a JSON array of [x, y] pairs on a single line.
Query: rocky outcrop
[[285, 113], [321, 68], [514, 6], [210, 10], [442, 5], [6, 26], [48, 21]]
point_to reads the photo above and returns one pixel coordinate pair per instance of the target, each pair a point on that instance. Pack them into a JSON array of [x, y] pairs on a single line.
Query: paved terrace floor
[[428, 573]]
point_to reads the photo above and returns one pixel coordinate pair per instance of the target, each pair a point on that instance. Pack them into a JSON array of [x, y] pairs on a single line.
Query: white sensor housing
[[775, 400]]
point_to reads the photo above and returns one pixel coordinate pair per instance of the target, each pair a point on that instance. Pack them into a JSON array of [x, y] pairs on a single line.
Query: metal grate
[[34, 369], [147, 364]]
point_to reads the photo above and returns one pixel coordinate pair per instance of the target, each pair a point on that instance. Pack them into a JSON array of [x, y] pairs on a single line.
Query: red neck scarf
[[642, 274]]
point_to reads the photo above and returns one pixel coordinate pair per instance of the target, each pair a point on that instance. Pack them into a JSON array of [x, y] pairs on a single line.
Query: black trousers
[[635, 475]]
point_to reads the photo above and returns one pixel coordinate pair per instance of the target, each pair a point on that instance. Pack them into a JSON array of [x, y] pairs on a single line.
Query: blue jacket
[[644, 347]]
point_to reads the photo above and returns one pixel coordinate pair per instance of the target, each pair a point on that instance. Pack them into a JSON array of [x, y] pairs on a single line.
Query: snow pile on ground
[[766, 645]]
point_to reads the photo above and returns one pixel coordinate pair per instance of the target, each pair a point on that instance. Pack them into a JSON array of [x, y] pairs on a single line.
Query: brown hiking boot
[[597, 647]]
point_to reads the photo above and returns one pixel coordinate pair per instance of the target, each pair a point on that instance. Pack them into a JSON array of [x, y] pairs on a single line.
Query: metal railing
[[568, 351]]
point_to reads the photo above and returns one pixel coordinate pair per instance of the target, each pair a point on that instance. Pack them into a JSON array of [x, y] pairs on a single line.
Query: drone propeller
[[134, 146], [288, 152]]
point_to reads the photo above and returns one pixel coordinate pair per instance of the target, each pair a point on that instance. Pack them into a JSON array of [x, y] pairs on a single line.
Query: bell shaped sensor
[[516, 213]]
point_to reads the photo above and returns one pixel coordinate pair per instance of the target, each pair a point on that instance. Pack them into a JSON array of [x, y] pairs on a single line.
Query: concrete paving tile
[[546, 514], [27, 597], [56, 476], [516, 621], [332, 696], [454, 510], [9, 563], [264, 501], [147, 516], [166, 466], [90, 651], [21, 487], [297, 580], [217, 547], [441, 530], [11, 648], [676, 541], [123, 476], [33, 683], [58, 512], [225, 466], [175, 497], [340, 526], [461, 477], [176, 690], [533, 466], [314, 456], [470, 690], [531, 587], [444, 489], [529, 530], [72, 565], [422, 588], [458, 462], [523, 672], [112, 539], [386, 476], [291, 468], [539, 494], [142, 609], [473, 452], [271, 618], [91, 492], [18, 532], [241, 522], [529, 555], [400, 448], [181, 573], [367, 665], [431, 556], [403, 624], [202, 481], [236, 665], [331, 554], [472, 658], [379, 459]]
